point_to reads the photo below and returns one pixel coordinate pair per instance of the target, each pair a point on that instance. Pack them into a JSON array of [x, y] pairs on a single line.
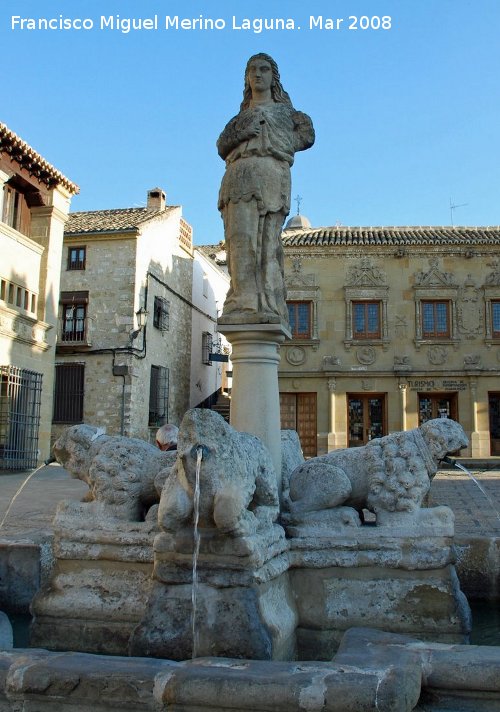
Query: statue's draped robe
[[254, 200]]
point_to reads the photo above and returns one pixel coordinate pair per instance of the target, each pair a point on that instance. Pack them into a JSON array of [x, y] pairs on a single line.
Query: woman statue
[[258, 146]]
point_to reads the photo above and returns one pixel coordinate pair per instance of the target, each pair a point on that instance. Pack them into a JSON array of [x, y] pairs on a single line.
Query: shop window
[[77, 258], [437, 405], [299, 316]]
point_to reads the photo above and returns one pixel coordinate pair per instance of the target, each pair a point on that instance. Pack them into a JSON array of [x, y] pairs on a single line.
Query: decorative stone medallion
[[295, 355]]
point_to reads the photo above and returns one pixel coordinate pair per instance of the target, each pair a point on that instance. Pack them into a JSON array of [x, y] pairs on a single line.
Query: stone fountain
[[276, 559]]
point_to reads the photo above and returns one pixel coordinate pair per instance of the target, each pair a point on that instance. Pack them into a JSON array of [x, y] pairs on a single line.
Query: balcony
[[73, 332]]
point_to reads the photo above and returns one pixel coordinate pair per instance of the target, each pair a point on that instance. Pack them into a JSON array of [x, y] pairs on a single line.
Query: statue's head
[[278, 94]]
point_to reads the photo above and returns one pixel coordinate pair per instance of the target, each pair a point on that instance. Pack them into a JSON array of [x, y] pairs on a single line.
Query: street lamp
[[142, 318]]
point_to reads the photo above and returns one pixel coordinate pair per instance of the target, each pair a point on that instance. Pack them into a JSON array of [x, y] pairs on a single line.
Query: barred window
[[69, 393], [20, 401], [158, 395], [161, 314], [206, 348]]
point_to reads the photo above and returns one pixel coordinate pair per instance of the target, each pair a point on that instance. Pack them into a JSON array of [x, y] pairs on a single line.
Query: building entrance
[[366, 418], [494, 413], [298, 412], [437, 405]]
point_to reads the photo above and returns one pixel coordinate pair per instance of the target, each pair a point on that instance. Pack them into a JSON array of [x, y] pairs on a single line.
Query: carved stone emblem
[[366, 355], [434, 277], [401, 327], [493, 279], [365, 274], [330, 362], [437, 355], [472, 361], [297, 279], [295, 355], [469, 310]]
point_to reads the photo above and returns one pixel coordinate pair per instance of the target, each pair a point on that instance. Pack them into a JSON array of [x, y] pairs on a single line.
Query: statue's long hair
[[280, 96]]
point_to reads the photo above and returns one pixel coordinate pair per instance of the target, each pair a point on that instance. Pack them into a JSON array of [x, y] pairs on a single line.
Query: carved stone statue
[[389, 476], [258, 146], [125, 474], [238, 493]]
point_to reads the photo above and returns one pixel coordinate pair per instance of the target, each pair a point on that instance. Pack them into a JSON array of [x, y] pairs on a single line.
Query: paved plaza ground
[[32, 512]]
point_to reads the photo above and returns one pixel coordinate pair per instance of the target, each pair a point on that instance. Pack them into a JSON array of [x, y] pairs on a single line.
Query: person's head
[[166, 437], [278, 94]]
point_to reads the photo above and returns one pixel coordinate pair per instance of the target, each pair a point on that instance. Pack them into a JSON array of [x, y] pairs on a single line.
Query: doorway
[[437, 405], [366, 418], [298, 412], [494, 414]]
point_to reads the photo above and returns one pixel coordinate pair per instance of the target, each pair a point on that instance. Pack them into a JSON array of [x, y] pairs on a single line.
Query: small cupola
[[298, 221], [156, 199]]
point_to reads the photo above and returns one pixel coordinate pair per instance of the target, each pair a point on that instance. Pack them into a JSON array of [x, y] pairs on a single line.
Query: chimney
[[156, 199]]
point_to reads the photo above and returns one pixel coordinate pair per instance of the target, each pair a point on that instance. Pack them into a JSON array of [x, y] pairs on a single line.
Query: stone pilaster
[[332, 387]]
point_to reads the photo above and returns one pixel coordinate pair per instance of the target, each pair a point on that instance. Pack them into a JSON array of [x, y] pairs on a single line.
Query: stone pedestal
[[376, 576], [244, 605], [255, 404], [100, 583]]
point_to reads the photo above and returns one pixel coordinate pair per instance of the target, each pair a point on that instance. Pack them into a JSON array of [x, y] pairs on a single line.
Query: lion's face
[[444, 437], [71, 449]]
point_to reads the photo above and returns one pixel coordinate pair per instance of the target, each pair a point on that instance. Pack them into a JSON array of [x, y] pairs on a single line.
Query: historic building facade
[[127, 309], [34, 204], [391, 327]]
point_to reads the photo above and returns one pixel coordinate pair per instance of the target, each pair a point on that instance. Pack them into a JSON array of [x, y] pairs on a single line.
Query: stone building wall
[[125, 272], [167, 269], [400, 366], [29, 288]]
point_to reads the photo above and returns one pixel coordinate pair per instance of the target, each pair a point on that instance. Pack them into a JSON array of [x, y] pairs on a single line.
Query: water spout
[[16, 495], [196, 551], [459, 466]]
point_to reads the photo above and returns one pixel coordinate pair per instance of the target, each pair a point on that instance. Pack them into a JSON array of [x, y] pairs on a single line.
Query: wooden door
[[298, 412]]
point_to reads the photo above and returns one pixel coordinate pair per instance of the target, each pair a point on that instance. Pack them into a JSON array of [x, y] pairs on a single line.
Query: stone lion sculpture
[[389, 476], [238, 491], [126, 474]]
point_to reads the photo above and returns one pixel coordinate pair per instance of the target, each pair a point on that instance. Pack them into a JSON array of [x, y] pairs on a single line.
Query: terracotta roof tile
[[396, 236], [32, 161], [119, 220]]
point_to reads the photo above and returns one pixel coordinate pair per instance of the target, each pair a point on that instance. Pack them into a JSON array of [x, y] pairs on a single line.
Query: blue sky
[[406, 118]]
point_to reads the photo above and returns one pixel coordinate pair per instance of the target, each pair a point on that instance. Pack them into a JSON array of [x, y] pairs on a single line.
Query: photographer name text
[[174, 23]]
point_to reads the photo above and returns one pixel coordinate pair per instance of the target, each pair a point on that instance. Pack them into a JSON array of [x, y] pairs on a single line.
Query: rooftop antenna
[[453, 207], [298, 200]]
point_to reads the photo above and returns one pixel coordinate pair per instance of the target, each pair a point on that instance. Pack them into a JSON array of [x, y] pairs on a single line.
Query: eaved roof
[[26, 157], [390, 236], [118, 220]]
